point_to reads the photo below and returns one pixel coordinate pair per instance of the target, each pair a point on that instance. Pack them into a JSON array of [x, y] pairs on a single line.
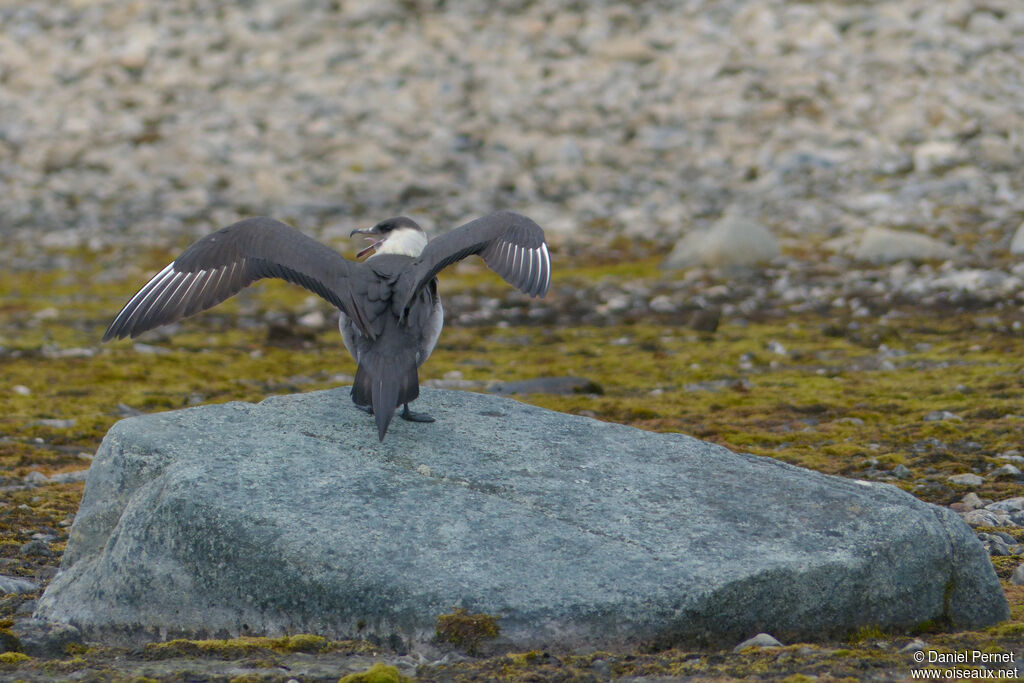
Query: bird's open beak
[[367, 231]]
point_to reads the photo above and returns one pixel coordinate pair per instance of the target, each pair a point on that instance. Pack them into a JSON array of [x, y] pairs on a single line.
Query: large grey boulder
[[289, 516]]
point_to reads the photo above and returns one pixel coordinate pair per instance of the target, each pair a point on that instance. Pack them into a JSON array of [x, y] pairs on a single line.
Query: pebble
[[760, 640], [734, 240], [69, 477], [16, 585], [50, 351], [941, 416], [1015, 504], [966, 479], [987, 518], [314, 319], [36, 477], [996, 545], [1006, 471], [971, 501], [916, 645], [21, 390], [35, 547], [45, 639], [1017, 243], [937, 155], [55, 423], [547, 385], [662, 304], [139, 347], [883, 245], [1017, 578]]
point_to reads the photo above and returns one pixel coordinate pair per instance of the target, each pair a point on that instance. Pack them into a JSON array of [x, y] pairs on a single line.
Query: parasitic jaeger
[[391, 314]]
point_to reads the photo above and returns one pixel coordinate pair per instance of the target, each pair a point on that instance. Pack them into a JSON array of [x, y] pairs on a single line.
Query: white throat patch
[[404, 241]]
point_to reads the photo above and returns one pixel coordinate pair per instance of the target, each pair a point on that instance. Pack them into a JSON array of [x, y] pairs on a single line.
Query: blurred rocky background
[[144, 121]]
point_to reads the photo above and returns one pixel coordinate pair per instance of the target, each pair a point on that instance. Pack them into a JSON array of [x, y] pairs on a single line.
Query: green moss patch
[[234, 648], [13, 658], [464, 630], [378, 673]]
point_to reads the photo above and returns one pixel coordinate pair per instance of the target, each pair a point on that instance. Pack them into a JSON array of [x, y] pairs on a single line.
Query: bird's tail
[[385, 382]]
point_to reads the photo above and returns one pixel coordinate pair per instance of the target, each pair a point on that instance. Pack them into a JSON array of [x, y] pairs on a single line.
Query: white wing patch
[[526, 268], [170, 287], [142, 295]]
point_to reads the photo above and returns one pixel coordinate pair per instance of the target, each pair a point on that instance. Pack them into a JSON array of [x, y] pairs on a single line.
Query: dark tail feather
[[385, 384], [385, 397]]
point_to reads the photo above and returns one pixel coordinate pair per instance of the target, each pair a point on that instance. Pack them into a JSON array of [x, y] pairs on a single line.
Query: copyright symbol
[[919, 656]]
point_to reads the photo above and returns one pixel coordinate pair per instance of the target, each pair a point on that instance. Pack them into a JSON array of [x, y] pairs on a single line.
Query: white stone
[[1017, 244], [626, 48], [1007, 505], [313, 319], [916, 645], [987, 518], [1006, 470], [997, 150], [760, 640], [942, 416], [16, 585], [966, 479], [937, 155], [735, 240], [69, 477], [36, 477], [884, 245], [662, 304], [972, 501], [976, 279], [134, 53]]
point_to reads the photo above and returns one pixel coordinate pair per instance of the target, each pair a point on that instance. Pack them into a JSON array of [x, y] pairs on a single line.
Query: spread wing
[[511, 244], [221, 264]]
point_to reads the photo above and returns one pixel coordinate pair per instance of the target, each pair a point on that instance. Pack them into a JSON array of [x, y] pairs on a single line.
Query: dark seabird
[[391, 314]]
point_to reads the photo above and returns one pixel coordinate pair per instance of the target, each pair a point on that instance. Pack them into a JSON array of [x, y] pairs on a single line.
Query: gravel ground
[[141, 121]]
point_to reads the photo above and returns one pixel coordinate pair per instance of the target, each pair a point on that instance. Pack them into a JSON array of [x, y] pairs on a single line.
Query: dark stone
[[547, 385], [705, 320], [35, 547], [40, 638]]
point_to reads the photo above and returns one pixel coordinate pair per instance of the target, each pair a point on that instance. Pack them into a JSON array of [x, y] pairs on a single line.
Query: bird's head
[[399, 235]]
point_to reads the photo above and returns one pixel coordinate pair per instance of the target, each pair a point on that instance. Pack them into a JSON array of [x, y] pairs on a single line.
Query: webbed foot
[[365, 409]]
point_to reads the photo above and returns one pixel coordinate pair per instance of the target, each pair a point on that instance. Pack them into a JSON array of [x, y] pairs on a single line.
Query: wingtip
[[112, 332]]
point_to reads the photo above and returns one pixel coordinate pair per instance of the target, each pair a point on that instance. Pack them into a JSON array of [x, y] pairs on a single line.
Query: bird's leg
[[415, 417], [365, 409]]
